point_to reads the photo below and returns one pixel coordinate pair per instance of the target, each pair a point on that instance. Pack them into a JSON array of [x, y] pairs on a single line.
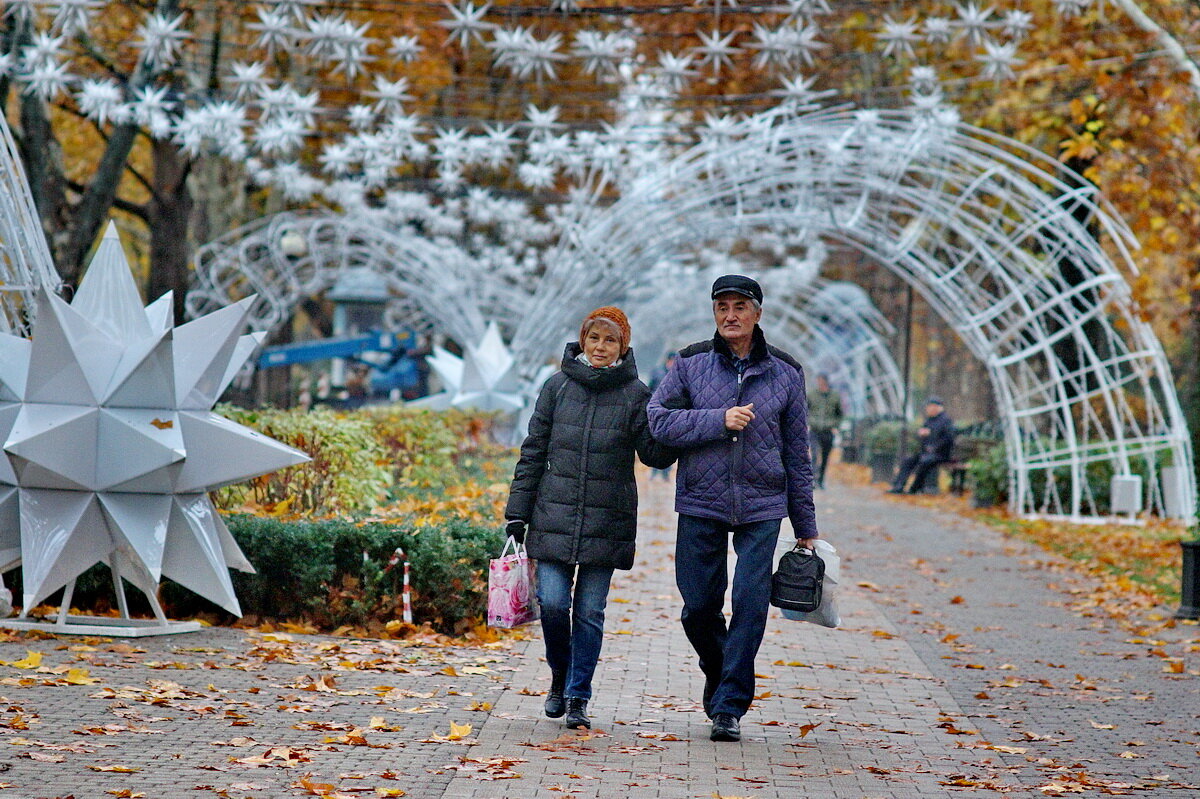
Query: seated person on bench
[[935, 446]]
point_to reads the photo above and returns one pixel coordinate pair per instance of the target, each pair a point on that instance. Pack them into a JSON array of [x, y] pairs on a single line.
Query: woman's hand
[[516, 530]]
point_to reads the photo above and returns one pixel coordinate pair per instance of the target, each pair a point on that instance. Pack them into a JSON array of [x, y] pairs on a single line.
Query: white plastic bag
[[827, 614]]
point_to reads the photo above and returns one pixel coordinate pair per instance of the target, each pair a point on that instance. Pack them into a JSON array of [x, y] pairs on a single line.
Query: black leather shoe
[[556, 705], [895, 490], [577, 717], [725, 728], [710, 688]]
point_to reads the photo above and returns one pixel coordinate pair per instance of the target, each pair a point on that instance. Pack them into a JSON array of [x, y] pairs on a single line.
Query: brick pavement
[[919, 694]]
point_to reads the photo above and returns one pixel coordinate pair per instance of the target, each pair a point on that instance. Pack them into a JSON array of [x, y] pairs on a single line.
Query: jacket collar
[[598, 379], [758, 347]]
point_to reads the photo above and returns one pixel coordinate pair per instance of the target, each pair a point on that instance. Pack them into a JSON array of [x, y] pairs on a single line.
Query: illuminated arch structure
[[1000, 240], [25, 262], [994, 235]]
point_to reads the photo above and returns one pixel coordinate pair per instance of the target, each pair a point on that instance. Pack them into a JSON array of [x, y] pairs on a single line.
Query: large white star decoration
[[485, 378], [110, 447]]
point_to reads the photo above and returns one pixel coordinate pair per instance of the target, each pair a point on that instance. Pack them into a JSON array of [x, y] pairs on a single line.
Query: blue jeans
[[574, 630], [726, 653]]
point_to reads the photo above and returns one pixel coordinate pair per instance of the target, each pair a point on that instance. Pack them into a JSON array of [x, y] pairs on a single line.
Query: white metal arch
[[25, 262], [993, 234], [290, 256], [285, 258]]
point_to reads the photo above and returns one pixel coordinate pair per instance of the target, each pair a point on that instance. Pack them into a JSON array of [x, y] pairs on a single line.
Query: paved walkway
[[967, 664]]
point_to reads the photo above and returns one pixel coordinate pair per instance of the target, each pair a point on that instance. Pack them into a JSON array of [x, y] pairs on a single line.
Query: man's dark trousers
[[919, 466], [820, 445], [701, 552]]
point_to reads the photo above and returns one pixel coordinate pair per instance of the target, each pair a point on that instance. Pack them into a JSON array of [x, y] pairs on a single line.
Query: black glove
[[516, 529]]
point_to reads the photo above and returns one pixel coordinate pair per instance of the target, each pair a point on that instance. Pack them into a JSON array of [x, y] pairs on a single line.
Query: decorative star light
[[101, 101], [773, 46], [161, 39], [899, 36], [390, 95], [21, 9], [151, 107], [248, 79], [485, 378], [798, 94], [110, 447], [999, 60], [541, 123], [938, 30], [601, 52], [275, 31], [293, 8], [1070, 8], [675, 69], [74, 16], [43, 50], [975, 21], [47, 81], [716, 50], [467, 23], [405, 48], [1017, 23]]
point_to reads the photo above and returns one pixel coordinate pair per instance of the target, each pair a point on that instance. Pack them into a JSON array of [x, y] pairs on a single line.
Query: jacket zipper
[[736, 443], [583, 465]]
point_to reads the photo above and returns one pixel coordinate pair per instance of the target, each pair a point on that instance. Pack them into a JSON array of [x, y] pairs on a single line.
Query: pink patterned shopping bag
[[512, 597]]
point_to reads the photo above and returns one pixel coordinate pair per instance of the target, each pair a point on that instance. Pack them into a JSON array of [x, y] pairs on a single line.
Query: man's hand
[[737, 417], [923, 432], [807, 543]]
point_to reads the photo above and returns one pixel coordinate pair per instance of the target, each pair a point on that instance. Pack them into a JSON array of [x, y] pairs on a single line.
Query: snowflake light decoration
[[109, 446]]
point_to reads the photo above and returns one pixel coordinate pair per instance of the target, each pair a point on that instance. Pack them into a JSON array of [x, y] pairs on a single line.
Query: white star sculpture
[[484, 379], [110, 447]]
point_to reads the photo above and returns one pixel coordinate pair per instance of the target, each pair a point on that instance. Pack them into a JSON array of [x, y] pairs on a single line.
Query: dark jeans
[[701, 551], [573, 627], [821, 443], [919, 465]]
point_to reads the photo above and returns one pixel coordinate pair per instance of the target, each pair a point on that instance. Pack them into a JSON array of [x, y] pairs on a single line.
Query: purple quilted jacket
[[763, 472]]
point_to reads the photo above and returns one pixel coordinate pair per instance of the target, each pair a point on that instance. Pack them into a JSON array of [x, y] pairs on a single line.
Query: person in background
[[573, 499], [935, 445], [737, 409], [824, 416]]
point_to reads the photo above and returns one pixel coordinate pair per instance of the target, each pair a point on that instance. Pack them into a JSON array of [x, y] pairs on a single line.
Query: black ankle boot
[[556, 705], [577, 717]]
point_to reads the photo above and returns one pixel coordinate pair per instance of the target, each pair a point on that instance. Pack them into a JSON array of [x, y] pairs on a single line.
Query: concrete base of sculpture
[[108, 626]]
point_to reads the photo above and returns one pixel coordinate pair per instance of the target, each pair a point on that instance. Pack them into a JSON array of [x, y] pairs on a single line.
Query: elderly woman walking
[[574, 500]]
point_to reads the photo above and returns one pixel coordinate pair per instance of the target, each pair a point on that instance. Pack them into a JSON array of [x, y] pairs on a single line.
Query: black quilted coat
[[574, 482]]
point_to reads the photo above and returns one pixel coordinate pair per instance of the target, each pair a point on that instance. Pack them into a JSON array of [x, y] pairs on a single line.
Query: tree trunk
[[169, 214]]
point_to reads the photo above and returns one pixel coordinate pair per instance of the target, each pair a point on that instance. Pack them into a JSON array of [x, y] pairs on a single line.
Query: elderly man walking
[[736, 407]]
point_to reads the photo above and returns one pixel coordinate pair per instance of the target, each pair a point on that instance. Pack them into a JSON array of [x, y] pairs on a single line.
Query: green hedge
[[348, 471], [334, 572], [989, 477]]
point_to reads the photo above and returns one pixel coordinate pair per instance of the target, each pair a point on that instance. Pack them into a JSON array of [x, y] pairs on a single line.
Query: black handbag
[[796, 584]]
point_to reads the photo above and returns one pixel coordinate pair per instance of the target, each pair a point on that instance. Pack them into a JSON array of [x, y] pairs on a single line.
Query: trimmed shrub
[[348, 471], [335, 572], [988, 473]]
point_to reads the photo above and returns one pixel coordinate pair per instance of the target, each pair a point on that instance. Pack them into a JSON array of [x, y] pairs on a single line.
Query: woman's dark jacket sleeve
[[527, 475], [650, 451]]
